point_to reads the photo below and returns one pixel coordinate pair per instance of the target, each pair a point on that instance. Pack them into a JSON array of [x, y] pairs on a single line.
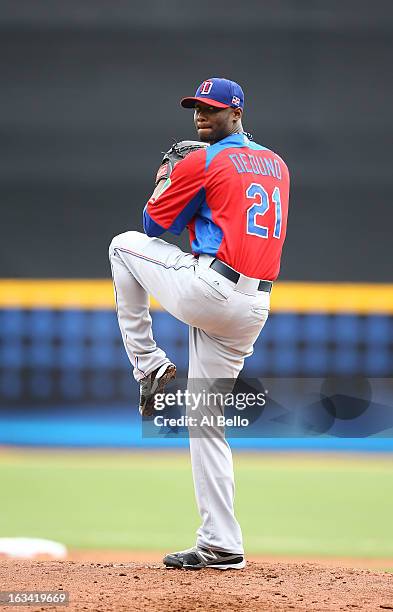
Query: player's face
[[214, 124]]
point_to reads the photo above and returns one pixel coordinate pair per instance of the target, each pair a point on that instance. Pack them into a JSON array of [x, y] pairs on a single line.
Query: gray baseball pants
[[224, 321]]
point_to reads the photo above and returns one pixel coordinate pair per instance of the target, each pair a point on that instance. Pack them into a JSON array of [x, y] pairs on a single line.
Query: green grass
[[287, 505]]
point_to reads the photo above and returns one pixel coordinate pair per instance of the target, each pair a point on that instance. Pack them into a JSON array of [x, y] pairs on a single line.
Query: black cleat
[[153, 384], [197, 558]]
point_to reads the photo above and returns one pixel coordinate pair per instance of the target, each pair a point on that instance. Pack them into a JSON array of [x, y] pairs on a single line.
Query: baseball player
[[232, 195]]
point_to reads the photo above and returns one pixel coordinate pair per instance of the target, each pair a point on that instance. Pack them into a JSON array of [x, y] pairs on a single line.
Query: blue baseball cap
[[221, 93]]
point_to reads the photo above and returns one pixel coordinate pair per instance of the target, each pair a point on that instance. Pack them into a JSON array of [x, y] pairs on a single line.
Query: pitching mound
[[118, 587]]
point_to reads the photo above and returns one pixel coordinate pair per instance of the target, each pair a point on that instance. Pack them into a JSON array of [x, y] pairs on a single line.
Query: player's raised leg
[[142, 266]]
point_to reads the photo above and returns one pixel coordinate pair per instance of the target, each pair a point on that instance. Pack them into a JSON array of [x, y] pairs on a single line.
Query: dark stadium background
[[89, 99]]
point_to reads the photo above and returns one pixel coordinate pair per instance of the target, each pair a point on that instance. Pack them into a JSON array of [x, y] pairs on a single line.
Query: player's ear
[[237, 114]]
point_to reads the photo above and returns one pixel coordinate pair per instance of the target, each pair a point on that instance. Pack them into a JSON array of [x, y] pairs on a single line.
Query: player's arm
[[175, 201]]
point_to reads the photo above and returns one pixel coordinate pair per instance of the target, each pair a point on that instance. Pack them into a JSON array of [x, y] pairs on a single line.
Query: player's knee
[[112, 246], [116, 242], [125, 240]]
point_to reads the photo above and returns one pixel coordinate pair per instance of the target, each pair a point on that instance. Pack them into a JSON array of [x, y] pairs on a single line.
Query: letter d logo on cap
[[206, 87]]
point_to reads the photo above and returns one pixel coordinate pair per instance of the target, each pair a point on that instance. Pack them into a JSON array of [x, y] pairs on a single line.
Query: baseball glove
[[177, 152]]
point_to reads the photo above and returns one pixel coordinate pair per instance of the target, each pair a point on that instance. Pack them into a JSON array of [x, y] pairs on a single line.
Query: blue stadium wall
[[65, 378]]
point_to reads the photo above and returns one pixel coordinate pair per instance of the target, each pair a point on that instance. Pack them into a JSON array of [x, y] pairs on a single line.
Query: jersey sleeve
[[182, 196]]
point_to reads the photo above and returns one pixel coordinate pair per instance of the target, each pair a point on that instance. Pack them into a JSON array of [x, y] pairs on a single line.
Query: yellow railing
[[286, 296]]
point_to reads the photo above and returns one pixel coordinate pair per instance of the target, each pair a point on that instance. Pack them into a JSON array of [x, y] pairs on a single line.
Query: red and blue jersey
[[233, 198]]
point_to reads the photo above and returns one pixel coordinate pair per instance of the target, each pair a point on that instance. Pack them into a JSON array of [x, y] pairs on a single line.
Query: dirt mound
[[118, 587]]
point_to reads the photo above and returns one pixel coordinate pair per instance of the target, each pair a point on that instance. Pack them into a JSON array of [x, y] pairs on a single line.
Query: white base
[[28, 548]]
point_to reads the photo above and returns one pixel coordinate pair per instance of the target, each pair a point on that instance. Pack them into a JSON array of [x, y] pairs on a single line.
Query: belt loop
[[246, 285], [205, 260]]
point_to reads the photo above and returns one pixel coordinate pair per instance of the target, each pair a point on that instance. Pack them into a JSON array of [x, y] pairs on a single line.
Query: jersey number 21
[[260, 207]]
